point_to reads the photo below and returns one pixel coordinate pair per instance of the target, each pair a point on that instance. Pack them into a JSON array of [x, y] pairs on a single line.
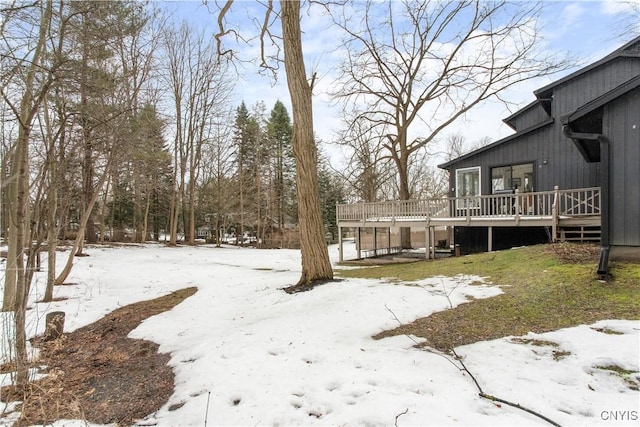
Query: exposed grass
[[534, 342], [546, 287], [631, 378], [560, 354], [617, 369]]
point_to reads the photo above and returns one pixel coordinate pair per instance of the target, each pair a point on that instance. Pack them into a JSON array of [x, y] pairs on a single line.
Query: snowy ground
[[254, 355]]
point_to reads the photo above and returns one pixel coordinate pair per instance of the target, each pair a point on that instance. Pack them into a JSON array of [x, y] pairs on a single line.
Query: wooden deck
[[556, 209]]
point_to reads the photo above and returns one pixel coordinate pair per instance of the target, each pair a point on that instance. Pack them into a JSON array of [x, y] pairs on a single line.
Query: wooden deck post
[[554, 214], [427, 239], [490, 239], [358, 243], [340, 256], [517, 206], [432, 238], [375, 241]]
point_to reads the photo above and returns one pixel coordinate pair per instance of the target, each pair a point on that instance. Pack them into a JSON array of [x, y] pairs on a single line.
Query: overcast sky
[[587, 29]]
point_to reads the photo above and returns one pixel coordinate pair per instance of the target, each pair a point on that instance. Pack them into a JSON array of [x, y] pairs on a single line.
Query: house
[[571, 169], [582, 131]]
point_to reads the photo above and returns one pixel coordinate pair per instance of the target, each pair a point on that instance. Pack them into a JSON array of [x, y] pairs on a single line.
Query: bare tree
[[200, 89], [217, 190], [53, 123], [35, 84], [135, 46], [629, 23], [315, 256], [367, 169], [102, 93], [429, 63]]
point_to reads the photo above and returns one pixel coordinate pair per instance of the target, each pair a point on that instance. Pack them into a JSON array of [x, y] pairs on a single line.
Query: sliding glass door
[[512, 177]]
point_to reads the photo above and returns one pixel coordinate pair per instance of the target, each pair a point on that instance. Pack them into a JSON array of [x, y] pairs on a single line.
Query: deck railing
[[575, 202]]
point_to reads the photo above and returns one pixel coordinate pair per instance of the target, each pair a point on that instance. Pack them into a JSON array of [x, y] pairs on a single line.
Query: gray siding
[[587, 87], [622, 127], [529, 117], [555, 158]]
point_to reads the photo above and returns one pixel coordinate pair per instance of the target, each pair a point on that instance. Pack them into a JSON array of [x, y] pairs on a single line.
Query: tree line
[[118, 124], [150, 99]]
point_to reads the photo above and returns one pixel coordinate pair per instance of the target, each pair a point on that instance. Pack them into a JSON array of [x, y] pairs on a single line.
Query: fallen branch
[[497, 399], [399, 415], [419, 344], [464, 368]]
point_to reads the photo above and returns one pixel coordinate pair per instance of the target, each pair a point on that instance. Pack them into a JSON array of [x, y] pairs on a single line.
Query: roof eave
[[601, 101], [530, 129], [547, 91]]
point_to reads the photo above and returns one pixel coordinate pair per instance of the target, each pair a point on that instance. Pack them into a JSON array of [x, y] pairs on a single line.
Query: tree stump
[[54, 325]]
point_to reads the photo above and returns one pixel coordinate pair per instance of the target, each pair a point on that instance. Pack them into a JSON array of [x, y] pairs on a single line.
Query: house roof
[[509, 121], [516, 135], [601, 101], [587, 119], [544, 96], [632, 49]]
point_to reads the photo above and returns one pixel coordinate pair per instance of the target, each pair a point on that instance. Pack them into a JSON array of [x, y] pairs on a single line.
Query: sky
[[255, 355], [585, 30]]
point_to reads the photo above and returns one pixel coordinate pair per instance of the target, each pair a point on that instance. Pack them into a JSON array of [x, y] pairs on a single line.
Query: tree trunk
[[315, 256], [52, 237], [82, 228], [54, 325], [192, 210], [259, 212], [87, 164], [19, 209], [174, 202], [52, 202], [402, 163], [240, 229], [13, 251], [137, 211], [103, 211], [147, 208], [173, 206]]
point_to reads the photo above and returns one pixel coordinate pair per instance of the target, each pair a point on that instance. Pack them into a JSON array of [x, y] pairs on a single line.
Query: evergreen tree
[[280, 134], [153, 169], [247, 137], [94, 76], [141, 183], [332, 191]]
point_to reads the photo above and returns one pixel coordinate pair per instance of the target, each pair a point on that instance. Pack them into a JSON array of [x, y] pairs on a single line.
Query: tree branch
[[464, 368], [399, 415], [222, 32]]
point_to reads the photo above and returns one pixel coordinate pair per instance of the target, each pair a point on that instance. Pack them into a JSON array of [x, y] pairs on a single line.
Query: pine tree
[[332, 191], [280, 134], [247, 139]]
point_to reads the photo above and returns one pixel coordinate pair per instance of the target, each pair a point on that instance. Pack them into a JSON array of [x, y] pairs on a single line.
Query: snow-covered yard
[[255, 355]]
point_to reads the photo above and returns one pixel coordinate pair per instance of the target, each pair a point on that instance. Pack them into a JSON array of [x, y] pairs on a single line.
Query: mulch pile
[[572, 253], [99, 375]]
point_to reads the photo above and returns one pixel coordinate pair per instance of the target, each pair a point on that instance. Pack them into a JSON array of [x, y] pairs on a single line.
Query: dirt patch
[[575, 253], [99, 375]]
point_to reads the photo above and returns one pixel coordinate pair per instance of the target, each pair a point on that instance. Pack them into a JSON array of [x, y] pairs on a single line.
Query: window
[[468, 185], [513, 177]]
